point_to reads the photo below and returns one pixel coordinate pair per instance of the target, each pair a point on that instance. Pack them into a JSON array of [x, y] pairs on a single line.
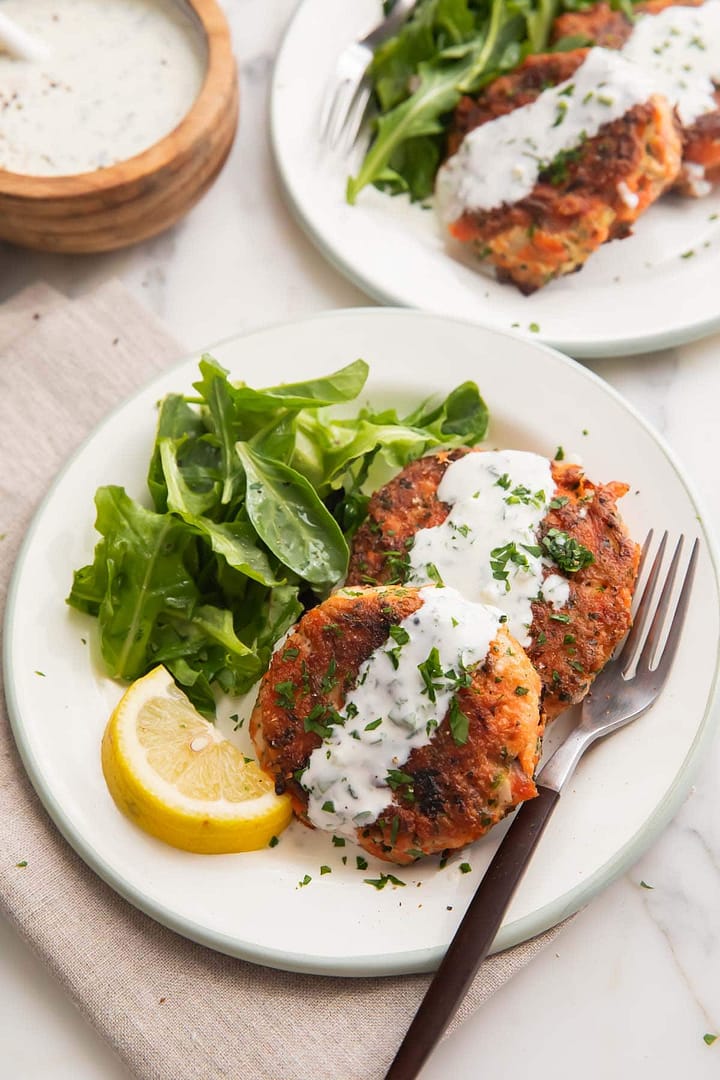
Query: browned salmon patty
[[569, 647], [601, 25], [588, 196], [455, 791]]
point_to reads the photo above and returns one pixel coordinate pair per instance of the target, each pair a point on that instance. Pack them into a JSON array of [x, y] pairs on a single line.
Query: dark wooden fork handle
[[474, 936]]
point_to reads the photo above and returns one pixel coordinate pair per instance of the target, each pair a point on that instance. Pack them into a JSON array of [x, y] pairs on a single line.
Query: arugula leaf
[[290, 518], [139, 572], [446, 49]]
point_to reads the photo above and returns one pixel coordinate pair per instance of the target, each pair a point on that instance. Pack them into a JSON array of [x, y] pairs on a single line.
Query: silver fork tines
[[348, 92], [629, 684]]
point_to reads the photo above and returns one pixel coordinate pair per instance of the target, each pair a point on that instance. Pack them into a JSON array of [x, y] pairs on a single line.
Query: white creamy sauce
[[347, 776], [119, 76], [500, 161], [681, 48], [675, 53], [496, 499]]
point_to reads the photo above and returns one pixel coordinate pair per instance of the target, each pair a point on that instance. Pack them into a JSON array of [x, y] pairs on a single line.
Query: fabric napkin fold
[[173, 1010]]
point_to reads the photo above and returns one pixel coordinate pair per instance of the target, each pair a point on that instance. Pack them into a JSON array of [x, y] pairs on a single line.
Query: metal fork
[[623, 691], [348, 92]]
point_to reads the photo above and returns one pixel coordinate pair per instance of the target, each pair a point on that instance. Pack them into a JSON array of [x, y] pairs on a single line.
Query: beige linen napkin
[[173, 1010]]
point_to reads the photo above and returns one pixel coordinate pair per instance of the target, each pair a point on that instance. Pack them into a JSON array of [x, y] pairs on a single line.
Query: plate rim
[[602, 349], [417, 960]]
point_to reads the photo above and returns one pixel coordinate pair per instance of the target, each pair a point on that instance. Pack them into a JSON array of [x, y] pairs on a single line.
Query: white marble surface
[[633, 984]]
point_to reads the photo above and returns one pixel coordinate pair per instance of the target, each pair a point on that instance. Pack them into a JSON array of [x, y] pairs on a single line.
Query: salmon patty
[[602, 25], [584, 197], [585, 562], [407, 758]]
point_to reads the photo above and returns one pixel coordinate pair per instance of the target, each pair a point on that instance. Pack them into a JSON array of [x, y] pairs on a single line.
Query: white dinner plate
[[657, 288], [252, 905]]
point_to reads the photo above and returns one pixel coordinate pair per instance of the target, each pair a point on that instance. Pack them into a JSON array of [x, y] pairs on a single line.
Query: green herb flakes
[[382, 881], [566, 551]]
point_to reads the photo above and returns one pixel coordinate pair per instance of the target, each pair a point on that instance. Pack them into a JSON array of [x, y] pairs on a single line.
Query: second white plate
[[657, 288]]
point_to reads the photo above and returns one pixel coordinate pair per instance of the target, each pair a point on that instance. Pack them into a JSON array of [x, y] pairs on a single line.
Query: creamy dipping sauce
[[675, 53], [120, 75], [500, 162], [347, 776], [681, 47], [487, 547]]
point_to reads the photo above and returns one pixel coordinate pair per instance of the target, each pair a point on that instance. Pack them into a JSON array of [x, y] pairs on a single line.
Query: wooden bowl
[[138, 198]]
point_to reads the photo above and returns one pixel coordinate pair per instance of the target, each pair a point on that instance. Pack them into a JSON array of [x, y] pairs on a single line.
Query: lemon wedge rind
[[179, 779]]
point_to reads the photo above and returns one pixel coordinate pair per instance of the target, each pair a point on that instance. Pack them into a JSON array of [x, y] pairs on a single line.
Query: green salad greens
[[447, 48], [255, 496]]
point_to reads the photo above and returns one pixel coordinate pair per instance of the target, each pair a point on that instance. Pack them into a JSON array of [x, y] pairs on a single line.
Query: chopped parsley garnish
[[521, 494], [286, 694], [534, 328], [351, 710], [291, 654], [644, 885], [503, 481], [329, 681], [305, 881], [541, 638], [501, 556], [319, 720], [399, 563], [709, 1039], [521, 691], [569, 639], [381, 882], [566, 551], [394, 830], [328, 806], [434, 574], [399, 634], [459, 724], [465, 867], [396, 778], [559, 454], [559, 617], [338, 841], [557, 503], [325, 870], [22, 864], [361, 863], [273, 841], [432, 674], [373, 724], [236, 722]]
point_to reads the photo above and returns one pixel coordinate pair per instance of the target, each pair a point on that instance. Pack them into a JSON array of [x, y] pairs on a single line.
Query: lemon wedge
[[178, 778]]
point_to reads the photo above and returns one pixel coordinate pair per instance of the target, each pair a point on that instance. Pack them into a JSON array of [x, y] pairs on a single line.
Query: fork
[[349, 89], [623, 691]]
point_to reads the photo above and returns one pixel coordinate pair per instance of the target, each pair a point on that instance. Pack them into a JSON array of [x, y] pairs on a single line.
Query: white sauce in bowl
[[487, 547], [120, 75], [347, 776]]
